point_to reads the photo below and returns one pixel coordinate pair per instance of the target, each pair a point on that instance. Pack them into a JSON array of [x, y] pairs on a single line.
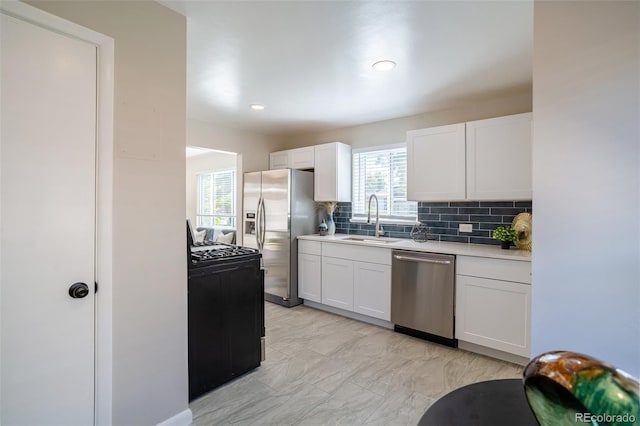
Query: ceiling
[[309, 62]]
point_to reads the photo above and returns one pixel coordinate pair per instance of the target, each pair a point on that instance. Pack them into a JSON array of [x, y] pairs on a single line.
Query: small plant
[[329, 206], [504, 233]]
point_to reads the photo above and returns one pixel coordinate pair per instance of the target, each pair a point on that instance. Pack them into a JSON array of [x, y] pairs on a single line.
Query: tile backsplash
[[443, 218]]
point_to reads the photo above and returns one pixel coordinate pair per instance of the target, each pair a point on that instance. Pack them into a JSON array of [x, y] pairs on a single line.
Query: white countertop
[[461, 249]]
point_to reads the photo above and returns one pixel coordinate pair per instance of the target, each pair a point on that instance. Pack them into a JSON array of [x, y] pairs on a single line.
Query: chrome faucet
[[379, 230]]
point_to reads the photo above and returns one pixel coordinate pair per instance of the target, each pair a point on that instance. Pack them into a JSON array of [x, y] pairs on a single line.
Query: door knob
[[78, 290]]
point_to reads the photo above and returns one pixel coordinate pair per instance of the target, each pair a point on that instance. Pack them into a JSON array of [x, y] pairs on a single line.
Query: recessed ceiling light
[[385, 65], [257, 107]]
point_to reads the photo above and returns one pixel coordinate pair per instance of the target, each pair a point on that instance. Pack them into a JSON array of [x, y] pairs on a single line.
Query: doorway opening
[[213, 194]]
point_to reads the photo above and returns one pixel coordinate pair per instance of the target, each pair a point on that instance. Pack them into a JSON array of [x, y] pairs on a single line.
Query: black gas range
[[226, 313], [215, 252]]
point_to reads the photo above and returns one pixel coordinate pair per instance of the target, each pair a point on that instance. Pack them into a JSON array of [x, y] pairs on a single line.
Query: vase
[[331, 225], [505, 244]]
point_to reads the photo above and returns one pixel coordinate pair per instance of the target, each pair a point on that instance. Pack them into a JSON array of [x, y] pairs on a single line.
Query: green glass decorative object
[[567, 388]]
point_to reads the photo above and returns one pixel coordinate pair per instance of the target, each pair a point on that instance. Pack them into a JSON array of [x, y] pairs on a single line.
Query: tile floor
[[322, 369]]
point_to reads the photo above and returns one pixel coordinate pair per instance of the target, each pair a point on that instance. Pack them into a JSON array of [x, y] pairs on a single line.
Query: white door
[[499, 158], [325, 185], [310, 277], [372, 290], [436, 163], [337, 283], [494, 313], [47, 218]]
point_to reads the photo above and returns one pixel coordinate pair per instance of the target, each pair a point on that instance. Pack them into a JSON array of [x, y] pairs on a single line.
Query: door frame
[[103, 377]]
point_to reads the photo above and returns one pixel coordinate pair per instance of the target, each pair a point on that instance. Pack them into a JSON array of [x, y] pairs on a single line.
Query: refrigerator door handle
[[263, 224], [258, 223]]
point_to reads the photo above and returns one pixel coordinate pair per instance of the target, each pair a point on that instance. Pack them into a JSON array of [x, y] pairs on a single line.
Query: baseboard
[[493, 353], [181, 419], [349, 314]]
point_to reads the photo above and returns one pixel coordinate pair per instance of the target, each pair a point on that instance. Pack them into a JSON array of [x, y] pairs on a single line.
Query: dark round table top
[[491, 403]]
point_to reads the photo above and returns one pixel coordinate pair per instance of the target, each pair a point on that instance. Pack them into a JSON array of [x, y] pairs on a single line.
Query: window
[[382, 171], [217, 199]]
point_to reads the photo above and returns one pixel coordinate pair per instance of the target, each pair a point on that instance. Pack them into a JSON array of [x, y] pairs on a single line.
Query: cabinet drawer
[[499, 269], [380, 256], [310, 247]]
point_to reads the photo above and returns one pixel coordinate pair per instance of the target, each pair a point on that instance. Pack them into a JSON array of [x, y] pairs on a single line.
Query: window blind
[[216, 199], [382, 172]]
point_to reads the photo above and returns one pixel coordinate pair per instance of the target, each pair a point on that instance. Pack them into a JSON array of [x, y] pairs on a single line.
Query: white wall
[[253, 147], [149, 286], [215, 161], [586, 186], [394, 131]]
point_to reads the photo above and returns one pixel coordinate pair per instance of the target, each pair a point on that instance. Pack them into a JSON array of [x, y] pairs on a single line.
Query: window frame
[[388, 219], [234, 191]]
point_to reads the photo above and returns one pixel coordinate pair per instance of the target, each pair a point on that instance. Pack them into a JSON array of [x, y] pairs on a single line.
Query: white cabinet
[[436, 163], [479, 160], [279, 160], [337, 283], [310, 277], [492, 310], [310, 270], [332, 180], [372, 290], [499, 158], [298, 158], [350, 277], [302, 158]]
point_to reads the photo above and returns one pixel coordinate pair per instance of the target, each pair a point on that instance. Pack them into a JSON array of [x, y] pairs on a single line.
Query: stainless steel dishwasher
[[423, 294]]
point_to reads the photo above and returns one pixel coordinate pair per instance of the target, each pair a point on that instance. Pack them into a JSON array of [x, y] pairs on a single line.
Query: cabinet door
[[332, 180], [325, 173], [499, 158], [372, 290], [310, 277], [279, 160], [494, 314], [436, 163], [302, 158], [337, 283]]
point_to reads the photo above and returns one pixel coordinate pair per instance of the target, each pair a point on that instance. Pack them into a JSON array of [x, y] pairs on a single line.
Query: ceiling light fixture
[[385, 65], [257, 107]]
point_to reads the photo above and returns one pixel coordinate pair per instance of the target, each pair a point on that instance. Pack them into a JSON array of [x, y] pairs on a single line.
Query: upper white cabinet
[[298, 158], [279, 160], [499, 158], [332, 180], [479, 160], [436, 163], [302, 158]]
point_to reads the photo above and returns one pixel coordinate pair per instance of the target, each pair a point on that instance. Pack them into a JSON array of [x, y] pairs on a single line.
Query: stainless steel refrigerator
[[278, 206]]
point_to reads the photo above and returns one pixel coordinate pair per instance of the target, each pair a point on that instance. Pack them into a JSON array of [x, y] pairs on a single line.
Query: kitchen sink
[[372, 240]]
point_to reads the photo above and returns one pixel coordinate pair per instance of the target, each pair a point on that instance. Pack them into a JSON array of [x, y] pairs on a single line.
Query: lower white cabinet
[[310, 277], [337, 283], [350, 277], [372, 290], [491, 311]]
